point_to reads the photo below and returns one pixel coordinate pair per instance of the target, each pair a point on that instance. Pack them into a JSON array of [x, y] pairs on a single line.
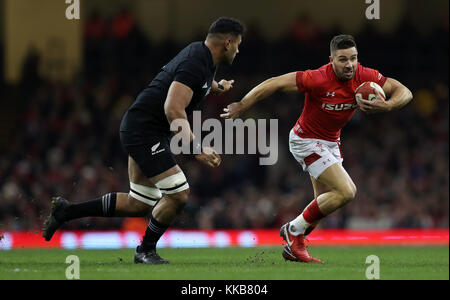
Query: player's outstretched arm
[[399, 95], [283, 83]]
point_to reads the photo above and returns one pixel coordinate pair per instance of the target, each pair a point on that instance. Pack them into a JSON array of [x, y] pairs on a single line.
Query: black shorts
[[151, 152]]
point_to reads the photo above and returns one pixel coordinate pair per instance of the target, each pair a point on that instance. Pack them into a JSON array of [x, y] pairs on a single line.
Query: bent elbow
[[169, 113], [410, 95]]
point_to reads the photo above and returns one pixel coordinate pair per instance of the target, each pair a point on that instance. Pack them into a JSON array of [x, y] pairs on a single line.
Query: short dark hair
[[225, 25], [343, 41]]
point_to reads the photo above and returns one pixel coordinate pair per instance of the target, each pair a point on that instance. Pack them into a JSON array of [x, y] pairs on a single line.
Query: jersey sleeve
[[368, 74], [190, 73], [304, 81]]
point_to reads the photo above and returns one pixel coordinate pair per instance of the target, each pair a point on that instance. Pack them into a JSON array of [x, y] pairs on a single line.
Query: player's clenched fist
[[209, 157]]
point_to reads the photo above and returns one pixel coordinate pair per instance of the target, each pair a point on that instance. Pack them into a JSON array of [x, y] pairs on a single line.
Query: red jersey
[[329, 102]]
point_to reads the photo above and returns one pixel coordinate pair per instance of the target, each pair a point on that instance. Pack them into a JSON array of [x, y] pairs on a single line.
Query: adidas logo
[[205, 86]]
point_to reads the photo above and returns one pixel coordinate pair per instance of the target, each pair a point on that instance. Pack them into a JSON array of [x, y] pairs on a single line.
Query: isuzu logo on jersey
[[341, 106]]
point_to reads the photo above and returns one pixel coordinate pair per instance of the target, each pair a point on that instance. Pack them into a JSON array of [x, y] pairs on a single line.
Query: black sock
[[100, 207], [153, 233]]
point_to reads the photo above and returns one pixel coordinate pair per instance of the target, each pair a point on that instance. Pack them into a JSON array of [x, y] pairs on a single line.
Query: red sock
[[309, 229], [312, 213]]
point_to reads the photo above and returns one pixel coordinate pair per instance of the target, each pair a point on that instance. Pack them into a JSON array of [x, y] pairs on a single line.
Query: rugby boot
[[295, 248], [56, 217], [149, 257]]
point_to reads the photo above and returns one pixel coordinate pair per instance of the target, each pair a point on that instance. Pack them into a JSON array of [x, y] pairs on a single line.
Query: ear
[[331, 59], [227, 44]]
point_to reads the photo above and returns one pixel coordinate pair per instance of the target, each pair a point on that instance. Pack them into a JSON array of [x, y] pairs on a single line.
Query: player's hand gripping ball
[[367, 90]]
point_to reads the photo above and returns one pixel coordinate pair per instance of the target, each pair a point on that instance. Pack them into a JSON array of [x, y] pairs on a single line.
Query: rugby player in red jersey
[[315, 139]]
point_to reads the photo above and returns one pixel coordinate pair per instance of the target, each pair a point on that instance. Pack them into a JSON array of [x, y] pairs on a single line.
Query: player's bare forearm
[[284, 83], [400, 98], [399, 94], [258, 93], [261, 91]]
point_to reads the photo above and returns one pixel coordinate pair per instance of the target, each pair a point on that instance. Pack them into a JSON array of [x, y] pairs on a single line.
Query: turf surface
[[230, 263]]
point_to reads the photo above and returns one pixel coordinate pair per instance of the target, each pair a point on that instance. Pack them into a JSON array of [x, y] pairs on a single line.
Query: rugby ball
[[366, 91]]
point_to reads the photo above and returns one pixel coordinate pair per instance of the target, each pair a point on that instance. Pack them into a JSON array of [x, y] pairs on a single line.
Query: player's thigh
[[149, 157], [319, 187], [171, 184], [143, 192], [336, 178], [136, 175], [152, 166], [314, 155]]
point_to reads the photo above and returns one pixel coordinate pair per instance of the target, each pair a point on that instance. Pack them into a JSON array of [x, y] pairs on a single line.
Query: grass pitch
[[229, 263]]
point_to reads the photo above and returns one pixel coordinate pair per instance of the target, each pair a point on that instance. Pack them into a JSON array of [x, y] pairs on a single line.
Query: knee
[[183, 197], [175, 188], [179, 199], [348, 193]]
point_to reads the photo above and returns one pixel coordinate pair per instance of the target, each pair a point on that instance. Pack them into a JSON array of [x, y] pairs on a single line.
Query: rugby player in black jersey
[[157, 184]]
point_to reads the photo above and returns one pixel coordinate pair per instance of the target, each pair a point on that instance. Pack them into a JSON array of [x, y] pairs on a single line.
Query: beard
[[347, 74], [229, 60]]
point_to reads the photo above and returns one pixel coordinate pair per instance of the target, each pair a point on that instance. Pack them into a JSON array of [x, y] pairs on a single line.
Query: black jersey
[[194, 67]]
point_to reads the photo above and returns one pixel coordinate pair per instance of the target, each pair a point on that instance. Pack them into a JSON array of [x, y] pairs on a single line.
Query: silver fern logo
[[155, 149]]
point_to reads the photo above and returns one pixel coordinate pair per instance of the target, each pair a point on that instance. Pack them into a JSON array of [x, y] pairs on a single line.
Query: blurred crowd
[[66, 141]]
